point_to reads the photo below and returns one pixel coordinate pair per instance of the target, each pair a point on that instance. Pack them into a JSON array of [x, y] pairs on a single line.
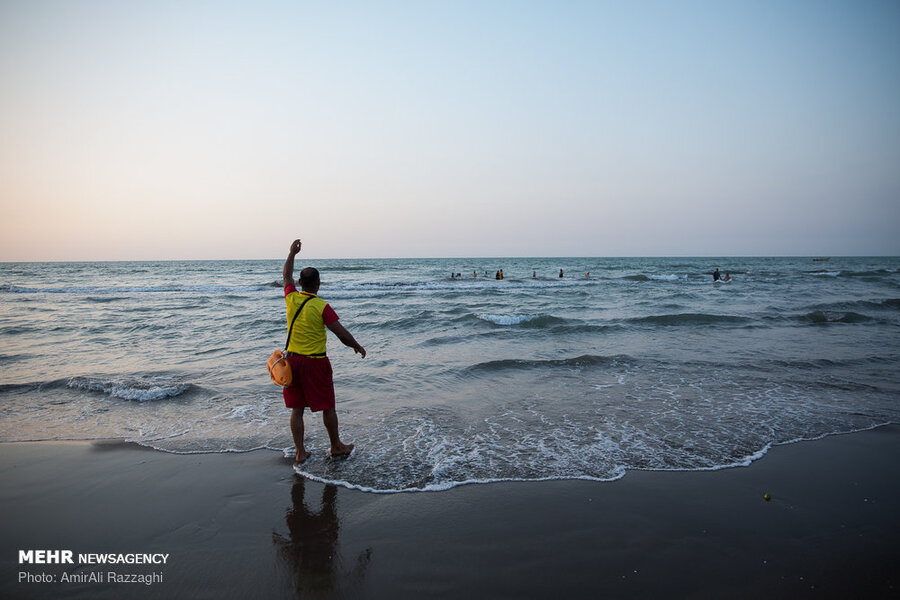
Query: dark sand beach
[[244, 526]]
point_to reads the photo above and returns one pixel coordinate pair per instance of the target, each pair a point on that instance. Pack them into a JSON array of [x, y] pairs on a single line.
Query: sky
[[153, 130]]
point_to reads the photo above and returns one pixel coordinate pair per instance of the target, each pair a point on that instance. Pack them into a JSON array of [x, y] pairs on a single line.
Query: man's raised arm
[[288, 272]]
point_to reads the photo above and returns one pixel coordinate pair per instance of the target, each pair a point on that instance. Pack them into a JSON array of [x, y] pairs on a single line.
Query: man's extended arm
[[345, 337], [288, 272]]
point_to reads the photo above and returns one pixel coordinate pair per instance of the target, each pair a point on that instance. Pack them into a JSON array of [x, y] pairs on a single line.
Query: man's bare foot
[[301, 457], [341, 450]]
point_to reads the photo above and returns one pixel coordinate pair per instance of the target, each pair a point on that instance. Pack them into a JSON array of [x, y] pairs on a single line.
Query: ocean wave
[[659, 422], [583, 328], [536, 321], [235, 294], [431, 452], [656, 277], [135, 388], [585, 360], [855, 311], [32, 386], [828, 316], [6, 359], [346, 294], [432, 449], [667, 277], [875, 273], [878, 306], [19, 329], [816, 364], [411, 322], [348, 269], [689, 319], [563, 328], [482, 285], [824, 273], [347, 289]]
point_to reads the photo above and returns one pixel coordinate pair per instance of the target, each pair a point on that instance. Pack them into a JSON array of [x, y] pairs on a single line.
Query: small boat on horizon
[[822, 259]]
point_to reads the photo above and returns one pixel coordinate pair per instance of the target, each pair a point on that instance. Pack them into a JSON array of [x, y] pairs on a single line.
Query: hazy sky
[[156, 129]]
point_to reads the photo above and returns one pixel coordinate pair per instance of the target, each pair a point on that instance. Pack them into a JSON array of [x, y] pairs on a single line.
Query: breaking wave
[[525, 320], [139, 389], [586, 360], [689, 319]]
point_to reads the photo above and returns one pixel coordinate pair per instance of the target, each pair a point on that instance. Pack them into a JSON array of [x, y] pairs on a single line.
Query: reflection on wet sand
[[311, 548]]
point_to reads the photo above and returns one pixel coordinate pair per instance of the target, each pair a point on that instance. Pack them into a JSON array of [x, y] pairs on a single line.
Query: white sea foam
[[241, 412], [507, 319], [620, 380], [447, 485], [666, 277], [142, 390]]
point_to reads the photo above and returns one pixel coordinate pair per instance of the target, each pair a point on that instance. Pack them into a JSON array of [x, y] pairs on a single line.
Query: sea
[[620, 364]]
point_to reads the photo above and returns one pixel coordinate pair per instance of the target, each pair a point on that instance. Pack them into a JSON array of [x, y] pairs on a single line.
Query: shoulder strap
[[297, 314]]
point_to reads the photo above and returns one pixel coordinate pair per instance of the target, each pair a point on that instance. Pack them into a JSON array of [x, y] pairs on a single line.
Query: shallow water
[[643, 364]]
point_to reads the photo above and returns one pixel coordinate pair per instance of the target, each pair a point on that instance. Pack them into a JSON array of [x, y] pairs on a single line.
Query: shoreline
[[244, 525], [745, 462]]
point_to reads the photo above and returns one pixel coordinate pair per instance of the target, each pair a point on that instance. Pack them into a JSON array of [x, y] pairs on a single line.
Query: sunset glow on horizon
[[198, 130]]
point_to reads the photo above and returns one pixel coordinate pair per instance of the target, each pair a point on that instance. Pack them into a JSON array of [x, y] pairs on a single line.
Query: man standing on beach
[[312, 383]]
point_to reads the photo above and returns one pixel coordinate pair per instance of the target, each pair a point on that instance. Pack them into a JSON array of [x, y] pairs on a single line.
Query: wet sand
[[244, 526]]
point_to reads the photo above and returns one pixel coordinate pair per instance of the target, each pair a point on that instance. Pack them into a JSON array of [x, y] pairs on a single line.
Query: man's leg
[[338, 448], [297, 433]]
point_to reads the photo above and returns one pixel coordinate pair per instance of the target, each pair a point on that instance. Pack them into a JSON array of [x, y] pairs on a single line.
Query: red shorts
[[311, 384]]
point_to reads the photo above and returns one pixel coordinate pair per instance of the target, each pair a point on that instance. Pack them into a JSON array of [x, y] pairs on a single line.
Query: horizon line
[[510, 257]]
